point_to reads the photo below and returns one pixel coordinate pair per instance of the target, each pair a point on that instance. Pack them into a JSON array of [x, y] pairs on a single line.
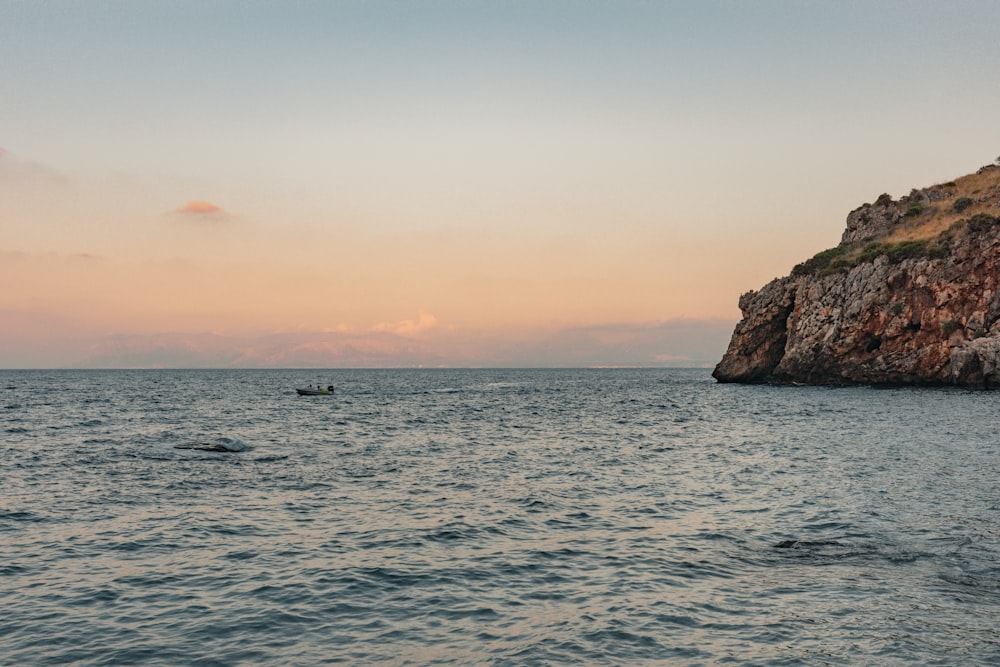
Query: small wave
[[806, 544], [678, 620], [20, 516], [822, 552], [452, 532], [626, 640], [478, 613], [271, 458], [903, 557], [533, 504], [979, 583], [223, 444]]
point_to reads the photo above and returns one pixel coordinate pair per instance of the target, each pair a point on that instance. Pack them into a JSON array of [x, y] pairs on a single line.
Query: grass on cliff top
[[843, 258], [967, 205], [957, 200]]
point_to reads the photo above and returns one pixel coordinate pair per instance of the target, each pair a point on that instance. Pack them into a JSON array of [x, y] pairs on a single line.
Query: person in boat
[[330, 388]]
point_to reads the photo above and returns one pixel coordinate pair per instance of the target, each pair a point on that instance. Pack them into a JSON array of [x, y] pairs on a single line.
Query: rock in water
[[911, 296]]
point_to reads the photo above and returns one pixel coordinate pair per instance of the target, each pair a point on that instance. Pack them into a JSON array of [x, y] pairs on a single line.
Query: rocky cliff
[[911, 296]]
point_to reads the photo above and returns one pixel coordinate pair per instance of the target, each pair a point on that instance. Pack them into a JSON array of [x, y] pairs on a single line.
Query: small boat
[[314, 391]]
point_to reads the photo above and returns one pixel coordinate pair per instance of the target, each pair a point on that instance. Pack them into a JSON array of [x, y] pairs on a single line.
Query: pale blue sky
[[78, 75]]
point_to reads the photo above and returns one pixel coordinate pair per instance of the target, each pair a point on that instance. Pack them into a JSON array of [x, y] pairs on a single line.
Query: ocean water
[[495, 517]]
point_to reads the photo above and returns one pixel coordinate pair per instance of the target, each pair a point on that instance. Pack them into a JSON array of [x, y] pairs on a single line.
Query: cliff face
[[910, 296]]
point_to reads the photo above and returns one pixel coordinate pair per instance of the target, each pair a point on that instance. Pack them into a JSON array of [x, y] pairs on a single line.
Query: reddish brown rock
[[884, 313]]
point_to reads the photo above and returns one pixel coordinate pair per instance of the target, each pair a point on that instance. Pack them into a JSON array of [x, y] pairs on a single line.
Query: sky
[[214, 183]]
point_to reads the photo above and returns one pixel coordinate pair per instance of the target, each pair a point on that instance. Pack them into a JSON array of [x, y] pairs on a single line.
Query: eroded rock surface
[[882, 311]]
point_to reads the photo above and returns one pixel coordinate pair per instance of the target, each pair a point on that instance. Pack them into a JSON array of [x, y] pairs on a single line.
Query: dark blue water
[[598, 517]]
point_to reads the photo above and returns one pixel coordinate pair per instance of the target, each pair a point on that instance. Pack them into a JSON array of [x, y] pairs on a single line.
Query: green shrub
[[914, 211], [897, 252], [906, 250], [820, 262], [839, 265], [915, 250], [939, 249], [897, 308], [843, 258], [982, 222], [871, 251], [948, 327], [961, 204], [883, 199]]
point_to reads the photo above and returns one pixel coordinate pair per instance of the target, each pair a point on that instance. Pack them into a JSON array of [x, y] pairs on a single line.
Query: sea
[[493, 517]]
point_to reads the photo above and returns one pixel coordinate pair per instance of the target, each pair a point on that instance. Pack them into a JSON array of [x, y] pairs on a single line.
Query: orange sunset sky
[[452, 183]]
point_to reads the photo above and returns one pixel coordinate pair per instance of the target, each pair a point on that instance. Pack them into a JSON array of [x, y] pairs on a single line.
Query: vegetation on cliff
[[911, 295], [925, 223], [846, 256]]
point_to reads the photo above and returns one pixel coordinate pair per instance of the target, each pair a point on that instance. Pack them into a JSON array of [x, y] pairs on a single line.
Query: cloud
[[35, 338], [46, 259], [87, 257], [677, 343], [198, 207], [302, 350], [406, 328], [13, 168], [200, 350], [673, 343]]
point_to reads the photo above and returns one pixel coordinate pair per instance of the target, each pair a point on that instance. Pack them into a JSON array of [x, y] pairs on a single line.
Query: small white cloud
[[424, 322]]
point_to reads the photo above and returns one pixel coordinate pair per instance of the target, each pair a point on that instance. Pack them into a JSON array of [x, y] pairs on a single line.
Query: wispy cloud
[[305, 350], [14, 168], [46, 259], [407, 328], [201, 209], [678, 343]]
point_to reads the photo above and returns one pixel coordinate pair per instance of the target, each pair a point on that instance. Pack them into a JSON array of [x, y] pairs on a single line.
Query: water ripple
[[494, 517]]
